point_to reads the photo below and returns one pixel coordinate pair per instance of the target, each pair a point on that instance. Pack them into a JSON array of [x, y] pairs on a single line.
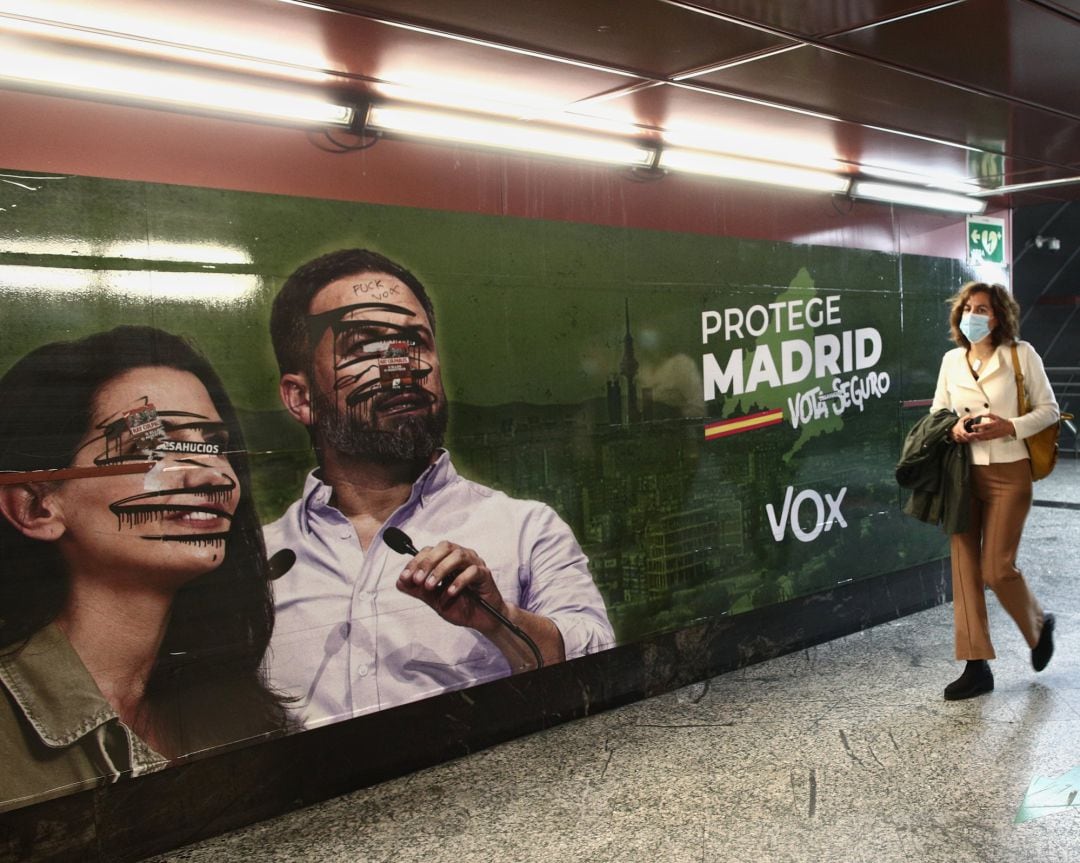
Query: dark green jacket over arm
[[935, 468]]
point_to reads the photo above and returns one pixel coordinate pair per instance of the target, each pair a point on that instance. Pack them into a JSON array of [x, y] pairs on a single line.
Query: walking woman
[[135, 606], [978, 383]]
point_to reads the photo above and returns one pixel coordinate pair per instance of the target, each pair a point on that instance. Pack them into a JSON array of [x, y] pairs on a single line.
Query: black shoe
[[977, 679], [1041, 652]]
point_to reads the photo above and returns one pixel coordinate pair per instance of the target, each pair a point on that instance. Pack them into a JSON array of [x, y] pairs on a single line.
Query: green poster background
[[535, 323]]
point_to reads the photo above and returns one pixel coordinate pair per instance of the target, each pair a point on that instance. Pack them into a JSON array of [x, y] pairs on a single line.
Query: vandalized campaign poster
[[270, 463]]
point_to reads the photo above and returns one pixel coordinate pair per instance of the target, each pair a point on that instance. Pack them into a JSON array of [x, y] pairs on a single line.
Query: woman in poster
[[977, 382], [135, 608]]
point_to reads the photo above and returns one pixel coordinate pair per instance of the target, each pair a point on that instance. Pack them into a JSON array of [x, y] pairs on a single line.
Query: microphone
[[399, 541], [281, 562]]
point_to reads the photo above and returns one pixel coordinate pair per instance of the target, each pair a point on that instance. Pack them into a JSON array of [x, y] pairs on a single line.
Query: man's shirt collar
[[317, 494]]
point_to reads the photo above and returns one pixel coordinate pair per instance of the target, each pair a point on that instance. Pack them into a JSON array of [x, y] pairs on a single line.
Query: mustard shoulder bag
[[1042, 446]]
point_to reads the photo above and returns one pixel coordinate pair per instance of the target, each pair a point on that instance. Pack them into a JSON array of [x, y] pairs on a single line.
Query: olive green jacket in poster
[[58, 734]]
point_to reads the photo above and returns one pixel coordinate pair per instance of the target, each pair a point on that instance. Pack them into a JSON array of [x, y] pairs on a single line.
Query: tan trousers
[[986, 556]]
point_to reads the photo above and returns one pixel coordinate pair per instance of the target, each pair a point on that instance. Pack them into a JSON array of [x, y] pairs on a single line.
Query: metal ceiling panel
[[645, 36], [1015, 48], [356, 51], [455, 68], [866, 92], [812, 19], [956, 88], [735, 120], [1070, 6]]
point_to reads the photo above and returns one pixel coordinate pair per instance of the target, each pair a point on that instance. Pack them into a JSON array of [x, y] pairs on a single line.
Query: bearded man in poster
[[488, 586]]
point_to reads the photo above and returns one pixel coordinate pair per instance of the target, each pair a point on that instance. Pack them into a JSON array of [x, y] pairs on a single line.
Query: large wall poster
[[686, 427]]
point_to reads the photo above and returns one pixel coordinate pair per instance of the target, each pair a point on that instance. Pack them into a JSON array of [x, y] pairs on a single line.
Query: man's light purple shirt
[[347, 641]]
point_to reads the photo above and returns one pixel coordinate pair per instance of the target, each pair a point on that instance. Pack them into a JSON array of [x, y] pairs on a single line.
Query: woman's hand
[[991, 427], [959, 434]]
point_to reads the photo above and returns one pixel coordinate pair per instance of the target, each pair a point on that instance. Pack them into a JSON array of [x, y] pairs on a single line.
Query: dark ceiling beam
[[822, 44]]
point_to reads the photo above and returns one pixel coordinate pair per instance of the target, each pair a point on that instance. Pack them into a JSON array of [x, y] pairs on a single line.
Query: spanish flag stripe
[[746, 423]]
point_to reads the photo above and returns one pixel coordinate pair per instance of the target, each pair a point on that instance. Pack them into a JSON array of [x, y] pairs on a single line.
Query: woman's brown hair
[[1006, 311]]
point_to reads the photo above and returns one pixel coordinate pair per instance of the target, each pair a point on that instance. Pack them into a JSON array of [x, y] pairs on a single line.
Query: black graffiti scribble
[[318, 324], [364, 342], [370, 390], [133, 516], [414, 371], [117, 437], [129, 513], [196, 539]]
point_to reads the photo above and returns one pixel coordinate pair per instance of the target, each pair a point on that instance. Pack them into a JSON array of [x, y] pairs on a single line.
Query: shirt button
[[967, 410], [985, 405], [362, 671]]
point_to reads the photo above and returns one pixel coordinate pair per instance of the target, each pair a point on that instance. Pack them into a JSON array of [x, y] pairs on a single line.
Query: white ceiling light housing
[[912, 197], [758, 146], [752, 170], [507, 135], [931, 181], [54, 68], [161, 43]]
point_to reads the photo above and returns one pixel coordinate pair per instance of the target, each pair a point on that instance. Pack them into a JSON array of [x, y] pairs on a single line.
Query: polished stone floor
[[845, 752]]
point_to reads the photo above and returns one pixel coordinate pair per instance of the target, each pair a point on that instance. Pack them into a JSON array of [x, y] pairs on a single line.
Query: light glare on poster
[[208, 288]]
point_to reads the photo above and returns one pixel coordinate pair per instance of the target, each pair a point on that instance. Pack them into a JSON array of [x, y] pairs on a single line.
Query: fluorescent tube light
[[752, 171], [78, 73], [1026, 187], [456, 95], [160, 37], [943, 183], [507, 135], [912, 197], [784, 149]]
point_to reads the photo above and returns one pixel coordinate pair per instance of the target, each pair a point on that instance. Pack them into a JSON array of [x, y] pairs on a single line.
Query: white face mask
[[975, 327]]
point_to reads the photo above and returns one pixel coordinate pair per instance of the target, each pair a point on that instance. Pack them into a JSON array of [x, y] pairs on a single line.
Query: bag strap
[[1021, 394]]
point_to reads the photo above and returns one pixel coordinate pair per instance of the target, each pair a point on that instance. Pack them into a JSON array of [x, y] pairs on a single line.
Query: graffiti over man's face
[[170, 523], [376, 384]]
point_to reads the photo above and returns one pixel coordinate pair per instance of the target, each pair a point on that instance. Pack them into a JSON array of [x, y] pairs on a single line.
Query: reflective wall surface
[[687, 429]]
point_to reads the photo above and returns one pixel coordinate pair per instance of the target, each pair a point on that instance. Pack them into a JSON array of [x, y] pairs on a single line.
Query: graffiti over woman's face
[[167, 525]]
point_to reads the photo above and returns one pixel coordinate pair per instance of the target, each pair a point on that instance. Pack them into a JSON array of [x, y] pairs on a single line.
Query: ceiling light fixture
[[779, 147], [507, 135], [217, 53], [913, 197], [752, 170], [70, 71], [1029, 187], [911, 178]]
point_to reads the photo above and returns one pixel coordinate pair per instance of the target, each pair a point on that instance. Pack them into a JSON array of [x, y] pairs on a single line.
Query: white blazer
[[995, 392]]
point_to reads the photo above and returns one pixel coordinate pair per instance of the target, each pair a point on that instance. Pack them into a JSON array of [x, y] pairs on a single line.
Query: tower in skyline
[[628, 368]]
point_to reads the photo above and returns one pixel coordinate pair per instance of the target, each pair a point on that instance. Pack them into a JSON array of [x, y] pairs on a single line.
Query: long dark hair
[[207, 686]]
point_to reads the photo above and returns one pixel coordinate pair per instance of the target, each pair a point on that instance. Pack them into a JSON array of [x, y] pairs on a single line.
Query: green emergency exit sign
[[986, 240]]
